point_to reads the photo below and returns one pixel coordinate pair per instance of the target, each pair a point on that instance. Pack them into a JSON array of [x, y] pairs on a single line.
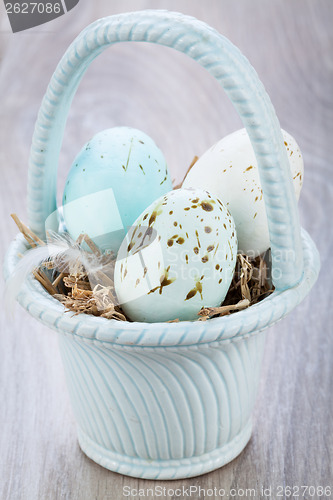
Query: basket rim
[[250, 321]]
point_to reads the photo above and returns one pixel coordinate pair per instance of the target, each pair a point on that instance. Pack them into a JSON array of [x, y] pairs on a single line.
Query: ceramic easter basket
[[167, 401]]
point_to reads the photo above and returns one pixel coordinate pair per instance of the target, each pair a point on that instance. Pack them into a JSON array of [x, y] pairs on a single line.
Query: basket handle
[[235, 74]]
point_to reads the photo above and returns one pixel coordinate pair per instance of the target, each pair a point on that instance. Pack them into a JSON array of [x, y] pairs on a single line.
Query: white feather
[[67, 256], [31, 259]]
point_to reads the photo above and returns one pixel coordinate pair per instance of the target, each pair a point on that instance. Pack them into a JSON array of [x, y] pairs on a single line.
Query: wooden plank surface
[[169, 97]]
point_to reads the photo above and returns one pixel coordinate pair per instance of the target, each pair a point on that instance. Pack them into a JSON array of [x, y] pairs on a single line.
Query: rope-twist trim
[[235, 74]]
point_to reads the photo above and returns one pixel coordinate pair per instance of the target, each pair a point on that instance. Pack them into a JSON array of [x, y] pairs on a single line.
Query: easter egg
[[229, 170], [179, 256], [118, 173]]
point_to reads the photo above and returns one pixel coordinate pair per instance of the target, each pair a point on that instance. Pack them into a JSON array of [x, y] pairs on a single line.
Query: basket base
[[165, 469]]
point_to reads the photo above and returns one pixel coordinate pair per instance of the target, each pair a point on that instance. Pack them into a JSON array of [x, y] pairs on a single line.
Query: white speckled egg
[[229, 170], [179, 256], [118, 173]]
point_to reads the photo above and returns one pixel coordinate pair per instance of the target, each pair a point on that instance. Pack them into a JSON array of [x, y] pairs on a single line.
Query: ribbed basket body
[[163, 400], [162, 412]]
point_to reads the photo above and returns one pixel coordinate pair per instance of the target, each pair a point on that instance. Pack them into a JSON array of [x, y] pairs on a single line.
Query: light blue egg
[[116, 175]]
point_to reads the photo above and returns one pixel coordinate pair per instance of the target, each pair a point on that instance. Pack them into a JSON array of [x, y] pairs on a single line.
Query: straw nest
[[73, 288]]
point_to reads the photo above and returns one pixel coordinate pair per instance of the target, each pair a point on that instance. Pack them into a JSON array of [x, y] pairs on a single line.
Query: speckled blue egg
[[116, 175], [178, 257]]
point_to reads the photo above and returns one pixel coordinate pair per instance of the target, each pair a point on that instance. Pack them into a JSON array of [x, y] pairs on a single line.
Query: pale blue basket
[[167, 401]]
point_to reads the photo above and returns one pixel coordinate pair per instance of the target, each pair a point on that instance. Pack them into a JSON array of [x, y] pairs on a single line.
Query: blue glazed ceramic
[[167, 401], [109, 169]]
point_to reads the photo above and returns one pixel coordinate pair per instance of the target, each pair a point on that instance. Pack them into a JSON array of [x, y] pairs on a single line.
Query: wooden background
[[168, 96]]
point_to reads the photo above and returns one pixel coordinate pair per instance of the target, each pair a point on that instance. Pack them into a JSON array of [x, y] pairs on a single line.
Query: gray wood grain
[[173, 100]]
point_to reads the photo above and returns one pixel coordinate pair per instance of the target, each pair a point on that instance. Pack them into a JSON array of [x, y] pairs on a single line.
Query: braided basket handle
[[235, 74]]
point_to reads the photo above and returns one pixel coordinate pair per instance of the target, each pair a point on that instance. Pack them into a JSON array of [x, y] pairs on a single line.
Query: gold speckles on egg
[[130, 246], [199, 287], [195, 290], [207, 206], [170, 241], [152, 218], [197, 235], [165, 179], [232, 255], [191, 294], [164, 281]]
